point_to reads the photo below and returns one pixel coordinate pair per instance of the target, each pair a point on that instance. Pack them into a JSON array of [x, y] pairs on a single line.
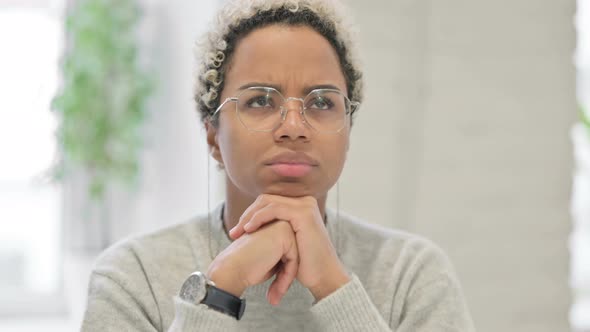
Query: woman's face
[[292, 160]]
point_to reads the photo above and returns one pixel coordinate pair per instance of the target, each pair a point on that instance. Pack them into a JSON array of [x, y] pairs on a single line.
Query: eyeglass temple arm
[[354, 106], [227, 100]]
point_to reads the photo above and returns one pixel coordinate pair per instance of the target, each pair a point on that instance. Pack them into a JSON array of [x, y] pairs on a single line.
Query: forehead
[[286, 56]]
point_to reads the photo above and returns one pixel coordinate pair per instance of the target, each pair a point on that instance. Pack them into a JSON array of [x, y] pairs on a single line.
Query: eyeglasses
[[264, 109]]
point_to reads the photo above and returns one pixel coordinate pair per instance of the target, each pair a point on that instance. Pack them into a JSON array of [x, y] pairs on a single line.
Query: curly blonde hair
[[239, 17]]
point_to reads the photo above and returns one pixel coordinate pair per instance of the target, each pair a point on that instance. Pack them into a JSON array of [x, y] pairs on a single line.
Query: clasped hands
[[282, 236]]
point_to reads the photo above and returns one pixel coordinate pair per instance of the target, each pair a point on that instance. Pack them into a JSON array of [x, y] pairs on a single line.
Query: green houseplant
[[101, 105], [585, 119]]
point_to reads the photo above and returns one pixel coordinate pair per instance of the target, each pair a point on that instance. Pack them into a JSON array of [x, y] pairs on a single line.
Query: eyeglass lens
[[262, 109]]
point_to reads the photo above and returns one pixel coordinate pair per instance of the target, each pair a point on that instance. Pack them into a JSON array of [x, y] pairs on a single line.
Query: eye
[[260, 102], [321, 103]]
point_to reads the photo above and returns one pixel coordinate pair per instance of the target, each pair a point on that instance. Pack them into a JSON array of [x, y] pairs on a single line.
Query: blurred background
[[474, 133]]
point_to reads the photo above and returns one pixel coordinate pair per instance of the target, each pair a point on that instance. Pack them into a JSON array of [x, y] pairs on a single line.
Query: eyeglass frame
[[353, 106]]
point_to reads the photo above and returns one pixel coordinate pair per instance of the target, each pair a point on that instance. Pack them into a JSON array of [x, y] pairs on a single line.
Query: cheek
[[239, 150], [344, 152], [230, 146], [336, 151]]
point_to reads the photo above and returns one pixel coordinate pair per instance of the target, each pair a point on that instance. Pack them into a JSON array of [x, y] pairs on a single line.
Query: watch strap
[[225, 302]]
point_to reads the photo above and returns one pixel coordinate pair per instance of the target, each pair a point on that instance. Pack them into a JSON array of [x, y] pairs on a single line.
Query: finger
[[285, 276], [288, 273], [279, 287], [274, 294], [269, 213], [238, 229], [290, 267], [277, 290], [299, 216]]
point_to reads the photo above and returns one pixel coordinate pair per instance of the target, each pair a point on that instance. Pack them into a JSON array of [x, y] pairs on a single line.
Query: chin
[[289, 188]]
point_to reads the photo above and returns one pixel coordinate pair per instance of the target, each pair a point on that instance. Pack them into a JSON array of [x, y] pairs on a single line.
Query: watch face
[[194, 288]]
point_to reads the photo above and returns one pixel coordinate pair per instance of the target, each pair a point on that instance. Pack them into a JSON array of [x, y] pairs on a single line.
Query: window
[[30, 236], [580, 238]]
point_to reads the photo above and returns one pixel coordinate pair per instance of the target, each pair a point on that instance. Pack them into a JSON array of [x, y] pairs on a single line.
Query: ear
[[212, 142]]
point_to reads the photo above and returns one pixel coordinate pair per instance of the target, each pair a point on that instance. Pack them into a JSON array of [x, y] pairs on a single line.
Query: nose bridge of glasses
[[293, 100], [291, 103]]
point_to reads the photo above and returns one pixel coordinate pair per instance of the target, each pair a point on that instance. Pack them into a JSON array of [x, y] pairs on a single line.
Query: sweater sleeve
[[349, 308], [432, 296], [433, 300], [437, 306], [120, 298], [190, 317]]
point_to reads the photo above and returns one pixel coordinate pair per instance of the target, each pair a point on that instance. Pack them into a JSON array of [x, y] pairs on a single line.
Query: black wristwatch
[[198, 289]]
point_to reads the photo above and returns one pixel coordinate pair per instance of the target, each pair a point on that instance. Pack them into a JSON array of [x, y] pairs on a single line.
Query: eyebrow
[[306, 89]]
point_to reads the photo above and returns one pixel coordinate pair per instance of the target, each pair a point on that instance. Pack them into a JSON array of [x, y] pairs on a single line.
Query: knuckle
[[283, 224], [284, 227]]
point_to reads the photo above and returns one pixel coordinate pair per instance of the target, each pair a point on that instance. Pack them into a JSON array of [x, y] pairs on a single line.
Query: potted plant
[[101, 104]]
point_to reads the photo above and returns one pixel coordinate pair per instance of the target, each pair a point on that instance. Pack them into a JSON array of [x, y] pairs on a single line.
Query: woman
[[276, 91]]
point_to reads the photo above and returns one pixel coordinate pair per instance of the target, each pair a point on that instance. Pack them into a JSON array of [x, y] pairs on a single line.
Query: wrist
[[219, 278], [330, 284]]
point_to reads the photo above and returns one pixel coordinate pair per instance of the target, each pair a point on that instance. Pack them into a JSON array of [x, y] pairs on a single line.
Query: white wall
[[174, 175], [464, 138]]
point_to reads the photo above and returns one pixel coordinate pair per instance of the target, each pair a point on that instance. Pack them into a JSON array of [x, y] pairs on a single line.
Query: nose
[[293, 125]]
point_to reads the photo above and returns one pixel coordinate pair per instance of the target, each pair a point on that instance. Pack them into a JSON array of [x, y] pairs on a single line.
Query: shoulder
[[137, 255], [399, 269], [392, 251], [138, 276]]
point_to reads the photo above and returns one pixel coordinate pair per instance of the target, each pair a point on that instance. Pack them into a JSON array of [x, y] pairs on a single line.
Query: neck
[[236, 202]]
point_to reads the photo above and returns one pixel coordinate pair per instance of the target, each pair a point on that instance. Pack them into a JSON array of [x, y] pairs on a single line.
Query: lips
[[291, 170], [292, 164]]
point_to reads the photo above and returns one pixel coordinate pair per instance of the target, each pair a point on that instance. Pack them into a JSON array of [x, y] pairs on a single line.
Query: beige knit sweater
[[400, 282]]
